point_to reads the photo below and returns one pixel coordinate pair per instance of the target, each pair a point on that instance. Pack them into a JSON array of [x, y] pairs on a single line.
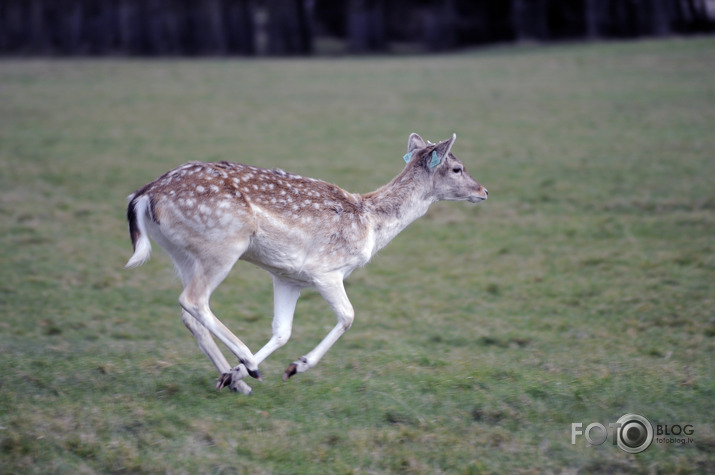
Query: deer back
[[293, 223]]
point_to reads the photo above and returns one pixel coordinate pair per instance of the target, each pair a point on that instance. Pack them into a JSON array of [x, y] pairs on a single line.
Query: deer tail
[[138, 211]]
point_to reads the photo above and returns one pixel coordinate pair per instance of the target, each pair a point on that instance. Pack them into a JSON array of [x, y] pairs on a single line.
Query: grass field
[[583, 289]]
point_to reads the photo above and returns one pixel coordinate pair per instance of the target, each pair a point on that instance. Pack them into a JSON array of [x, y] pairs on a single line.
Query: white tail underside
[[142, 249]]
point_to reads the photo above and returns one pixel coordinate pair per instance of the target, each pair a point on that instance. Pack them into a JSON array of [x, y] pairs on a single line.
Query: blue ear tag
[[407, 157], [435, 159]]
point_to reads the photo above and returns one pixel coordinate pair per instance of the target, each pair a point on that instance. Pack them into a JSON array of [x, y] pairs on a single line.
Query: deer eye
[[457, 170]]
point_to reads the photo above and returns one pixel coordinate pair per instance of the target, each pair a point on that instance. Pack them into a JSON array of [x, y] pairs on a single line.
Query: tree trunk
[[439, 26], [128, 34], [239, 27], [366, 26], [289, 31], [530, 20], [660, 18], [213, 35], [592, 13]]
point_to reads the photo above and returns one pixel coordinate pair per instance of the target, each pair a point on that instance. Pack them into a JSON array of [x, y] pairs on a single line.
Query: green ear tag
[[435, 159], [407, 157]]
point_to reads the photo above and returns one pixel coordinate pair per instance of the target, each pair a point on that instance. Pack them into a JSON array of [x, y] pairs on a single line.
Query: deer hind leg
[[209, 348], [333, 292], [201, 276], [203, 337], [285, 297]]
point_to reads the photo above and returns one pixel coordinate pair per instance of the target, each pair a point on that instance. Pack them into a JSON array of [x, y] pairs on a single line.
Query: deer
[[305, 232]]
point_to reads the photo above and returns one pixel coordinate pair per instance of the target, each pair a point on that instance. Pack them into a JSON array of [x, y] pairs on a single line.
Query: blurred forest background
[[306, 27]]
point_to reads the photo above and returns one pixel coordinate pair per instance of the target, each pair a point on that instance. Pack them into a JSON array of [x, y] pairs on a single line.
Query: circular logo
[[634, 434]]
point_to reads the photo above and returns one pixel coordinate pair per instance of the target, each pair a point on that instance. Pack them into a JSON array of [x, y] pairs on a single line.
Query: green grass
[[580, 291]]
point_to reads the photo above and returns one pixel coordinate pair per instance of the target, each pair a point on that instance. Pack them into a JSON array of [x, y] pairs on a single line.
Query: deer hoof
[[254, 374], [223, 381], [234, 380], [290, 371], [295, 367]]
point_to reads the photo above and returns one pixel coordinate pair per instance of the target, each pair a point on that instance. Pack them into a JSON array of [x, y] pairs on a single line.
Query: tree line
[[299, 27]]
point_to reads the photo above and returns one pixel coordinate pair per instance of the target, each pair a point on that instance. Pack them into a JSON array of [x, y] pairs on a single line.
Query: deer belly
[[302, 260]]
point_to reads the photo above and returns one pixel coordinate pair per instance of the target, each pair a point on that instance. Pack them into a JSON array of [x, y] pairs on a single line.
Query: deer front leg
[[285, 298], [333, 292]]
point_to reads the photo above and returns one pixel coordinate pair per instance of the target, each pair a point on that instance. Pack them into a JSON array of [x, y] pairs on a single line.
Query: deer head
[[448, 179]]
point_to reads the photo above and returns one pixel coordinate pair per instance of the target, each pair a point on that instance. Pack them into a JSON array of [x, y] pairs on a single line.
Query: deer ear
[[441, 151], [415, 142]]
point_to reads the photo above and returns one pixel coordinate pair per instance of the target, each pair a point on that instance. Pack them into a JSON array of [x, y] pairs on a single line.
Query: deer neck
[[393, 207]]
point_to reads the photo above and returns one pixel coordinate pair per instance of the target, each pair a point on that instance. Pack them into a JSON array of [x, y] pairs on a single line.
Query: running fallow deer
[[305, 232]]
